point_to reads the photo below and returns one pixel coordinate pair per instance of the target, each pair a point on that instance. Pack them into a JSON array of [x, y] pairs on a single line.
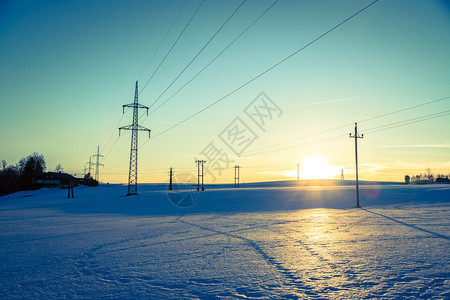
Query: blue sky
[[69, 66]]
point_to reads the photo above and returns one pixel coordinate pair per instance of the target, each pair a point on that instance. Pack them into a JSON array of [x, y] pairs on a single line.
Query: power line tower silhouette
[[170, 182], [89, 166], [84, 170], [135, 127], [97, 164], [202, 162], [236, 176], [356, 136], [342, 173]]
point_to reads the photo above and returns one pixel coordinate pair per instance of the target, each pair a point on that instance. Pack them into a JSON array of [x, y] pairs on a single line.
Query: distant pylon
[[132, 175], [356, 136], [89, 166], [97, 164], [236, 176], [342, 173], [202, 162]]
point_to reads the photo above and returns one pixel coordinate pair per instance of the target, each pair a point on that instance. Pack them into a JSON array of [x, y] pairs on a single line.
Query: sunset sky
[[67, 67]]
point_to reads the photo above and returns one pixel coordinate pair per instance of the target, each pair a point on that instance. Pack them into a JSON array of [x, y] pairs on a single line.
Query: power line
[[173, 45], [407, 122], [369, 130], [366, 131], [115, 127], [199, 52], [164, 38], [113, 131], [112, 148], [269, 69], [346, 125], [148, 63], [216, 57], [119, 119], [331, 139], [302, 138], [405, 109]]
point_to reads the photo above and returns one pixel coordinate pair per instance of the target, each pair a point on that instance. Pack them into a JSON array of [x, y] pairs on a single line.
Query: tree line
[[23, 175], [427, 177]]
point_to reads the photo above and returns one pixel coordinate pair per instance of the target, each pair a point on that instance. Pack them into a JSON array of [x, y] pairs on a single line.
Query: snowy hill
[[277, 240]]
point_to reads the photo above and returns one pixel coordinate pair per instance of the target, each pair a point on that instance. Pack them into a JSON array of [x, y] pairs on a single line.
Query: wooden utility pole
[[356, 136], [170, 182]]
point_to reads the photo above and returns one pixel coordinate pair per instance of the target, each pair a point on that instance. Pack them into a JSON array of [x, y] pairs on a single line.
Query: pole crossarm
[[133, 105], [138, 128]]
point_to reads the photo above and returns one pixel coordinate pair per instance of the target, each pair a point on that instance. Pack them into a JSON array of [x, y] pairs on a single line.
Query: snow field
[[269, 242]]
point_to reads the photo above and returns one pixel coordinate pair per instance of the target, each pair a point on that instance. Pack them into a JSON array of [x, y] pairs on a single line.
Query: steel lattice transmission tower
[[89, 166], [97, 164], [135, 127]]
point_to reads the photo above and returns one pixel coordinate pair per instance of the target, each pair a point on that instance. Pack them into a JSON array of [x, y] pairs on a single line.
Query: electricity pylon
[[356, 136], [236, 176], [135, 127], [89, 166], [198, 162], [84, 170], [97, 164]]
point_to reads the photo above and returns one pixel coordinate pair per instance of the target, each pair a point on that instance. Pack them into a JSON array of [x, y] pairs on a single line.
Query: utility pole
[[236, 176], [98, 164], [298, 170], [203, 172], [198, 162], [356, 136], [135, 127], [170, 182], [342, 173], [89, 166]]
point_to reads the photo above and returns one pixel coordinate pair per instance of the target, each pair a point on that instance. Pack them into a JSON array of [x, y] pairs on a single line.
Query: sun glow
[[316, 167]]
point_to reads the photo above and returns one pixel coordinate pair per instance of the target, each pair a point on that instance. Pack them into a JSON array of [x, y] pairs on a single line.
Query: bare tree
[[59, 168], [31, 168], [4, 164]]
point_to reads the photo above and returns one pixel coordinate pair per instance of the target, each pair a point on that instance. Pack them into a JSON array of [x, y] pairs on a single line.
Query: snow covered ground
[[261, 241]]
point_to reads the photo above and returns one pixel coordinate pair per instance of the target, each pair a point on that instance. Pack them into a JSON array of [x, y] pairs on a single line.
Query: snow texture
[[262, 241]]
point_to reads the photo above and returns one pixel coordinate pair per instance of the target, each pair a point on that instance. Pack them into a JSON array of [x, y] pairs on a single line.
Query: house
[[442, 179], [57, 180]]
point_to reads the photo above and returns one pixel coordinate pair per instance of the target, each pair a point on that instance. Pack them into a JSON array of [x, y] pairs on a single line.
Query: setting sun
[[316, 167]]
